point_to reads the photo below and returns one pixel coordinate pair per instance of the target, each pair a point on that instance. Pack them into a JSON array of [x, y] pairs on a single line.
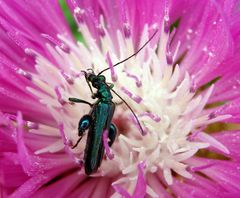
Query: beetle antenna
[[139, 124], [134, 54]]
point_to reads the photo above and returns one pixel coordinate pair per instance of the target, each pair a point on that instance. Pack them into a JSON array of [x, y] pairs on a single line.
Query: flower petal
[[231, 140]]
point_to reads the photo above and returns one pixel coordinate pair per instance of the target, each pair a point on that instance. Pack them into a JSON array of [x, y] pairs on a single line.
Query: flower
[[180, 84]]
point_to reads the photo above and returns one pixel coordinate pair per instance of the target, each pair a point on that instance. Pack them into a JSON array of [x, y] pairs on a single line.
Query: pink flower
[[181, 85]]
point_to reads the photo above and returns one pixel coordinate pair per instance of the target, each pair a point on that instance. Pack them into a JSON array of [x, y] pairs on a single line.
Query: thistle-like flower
[[183, 86]]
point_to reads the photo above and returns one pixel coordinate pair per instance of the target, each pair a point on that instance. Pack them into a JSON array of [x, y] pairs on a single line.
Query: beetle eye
[[94, 83], [91, 77]]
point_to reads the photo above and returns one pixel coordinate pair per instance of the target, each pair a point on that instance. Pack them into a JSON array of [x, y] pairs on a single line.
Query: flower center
[[155, 87]]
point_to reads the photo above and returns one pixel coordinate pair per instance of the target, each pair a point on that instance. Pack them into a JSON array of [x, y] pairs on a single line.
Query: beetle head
[[96, 80]]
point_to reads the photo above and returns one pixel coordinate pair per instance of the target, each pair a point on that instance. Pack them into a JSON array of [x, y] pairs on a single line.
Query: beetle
[[100, 116]]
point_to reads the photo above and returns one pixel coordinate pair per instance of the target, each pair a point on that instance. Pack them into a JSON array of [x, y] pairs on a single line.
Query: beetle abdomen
[[101, 118]]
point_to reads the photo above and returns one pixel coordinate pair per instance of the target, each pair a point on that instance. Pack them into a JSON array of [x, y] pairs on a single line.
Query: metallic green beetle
[[100, 117]]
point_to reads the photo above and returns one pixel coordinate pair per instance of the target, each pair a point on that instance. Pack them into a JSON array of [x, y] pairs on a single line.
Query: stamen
[[106, 146], [57, 42], [101, 30], [67, 77], [193, 135], [24, 73], [176, 50], [154, 117], [133, 119], [169, 56], [65, 139], [123, 16], [59, 96], [136, 98], [68, 145], [52, 148], [212, 115], [171, 35], [109, 61], [193, 87], [28, 124], [140, 187], [31, 52], [76, 74], [121, 191], [95, 20], [168, 175], [126, 30], [138, 81], [32, 125], [166, 17], [79, 15]]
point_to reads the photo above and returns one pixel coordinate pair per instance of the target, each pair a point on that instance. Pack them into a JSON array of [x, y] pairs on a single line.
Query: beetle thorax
[[104, 93]]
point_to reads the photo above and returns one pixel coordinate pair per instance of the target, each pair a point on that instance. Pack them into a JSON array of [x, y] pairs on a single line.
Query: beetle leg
[[76, 100], [83, 125], [85, 75], [110, 85], [95, 95], [112, 133]]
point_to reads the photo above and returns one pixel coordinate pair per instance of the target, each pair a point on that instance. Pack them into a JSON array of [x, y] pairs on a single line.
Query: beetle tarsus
[[73, 147]]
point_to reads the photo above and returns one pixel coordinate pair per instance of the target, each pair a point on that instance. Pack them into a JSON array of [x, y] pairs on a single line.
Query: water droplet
[[205, 49], [190, 31], [211, 54]]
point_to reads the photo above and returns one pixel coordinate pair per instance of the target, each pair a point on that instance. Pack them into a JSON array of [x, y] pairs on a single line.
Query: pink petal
[[199, 187], [140, 189], [21, 26], [14, 96], [109, 61], [224, 173], [32, 164], [86, 189], [231, 139], [67, 182], [121, 191], [204, 137], [202, 32], [128, 16], [228, 86], [155, 183], [30, 19], [12, 175], [232, 108], [36, 182]]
